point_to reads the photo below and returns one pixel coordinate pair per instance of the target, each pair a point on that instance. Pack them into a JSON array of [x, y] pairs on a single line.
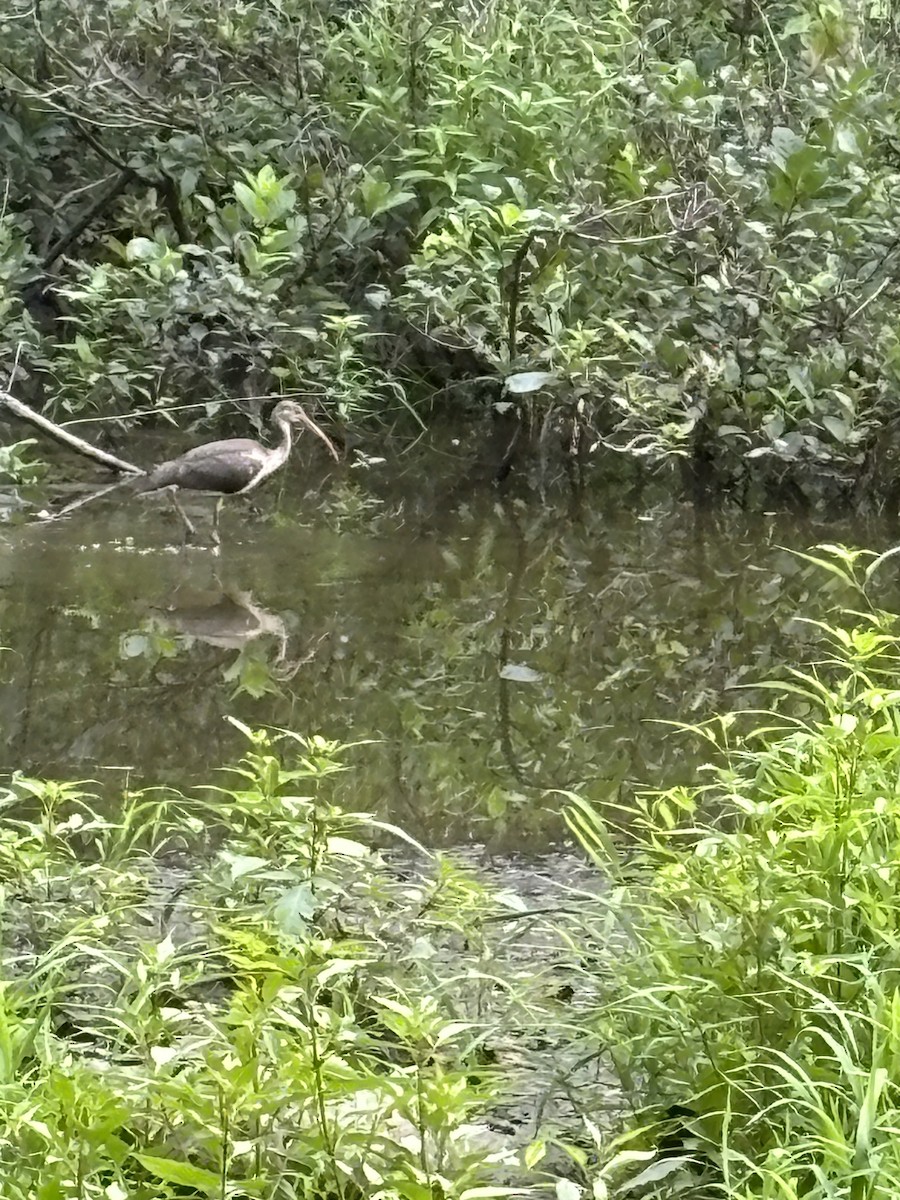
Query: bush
[[671, 223]]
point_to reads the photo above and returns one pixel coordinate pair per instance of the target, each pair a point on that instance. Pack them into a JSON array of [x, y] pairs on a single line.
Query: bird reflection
[[232, 622]]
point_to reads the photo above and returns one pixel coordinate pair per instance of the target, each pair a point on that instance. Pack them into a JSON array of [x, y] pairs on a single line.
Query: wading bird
[[232, 467]]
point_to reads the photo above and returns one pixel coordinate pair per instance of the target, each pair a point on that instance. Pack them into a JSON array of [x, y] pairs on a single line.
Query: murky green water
[[493, 647]]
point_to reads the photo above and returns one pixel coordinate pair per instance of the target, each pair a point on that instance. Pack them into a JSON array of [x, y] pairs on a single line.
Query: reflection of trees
[[503, 658], [624, 623], [610, 621]]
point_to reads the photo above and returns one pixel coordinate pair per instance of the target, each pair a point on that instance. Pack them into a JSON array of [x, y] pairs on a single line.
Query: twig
[[166, 184], [512, 329], [774, 39], [868, 300], [69, 439], [81, 501]]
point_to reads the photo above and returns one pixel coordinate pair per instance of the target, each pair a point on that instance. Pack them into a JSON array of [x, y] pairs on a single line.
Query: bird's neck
[[286, 432]]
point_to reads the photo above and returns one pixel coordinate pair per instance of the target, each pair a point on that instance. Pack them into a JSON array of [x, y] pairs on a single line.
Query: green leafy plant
[[16, 467], [682, 218], [251, 1024], [746, 945]]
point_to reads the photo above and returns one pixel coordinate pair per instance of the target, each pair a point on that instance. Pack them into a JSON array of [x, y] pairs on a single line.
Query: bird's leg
[[187, 524], [216, 539]]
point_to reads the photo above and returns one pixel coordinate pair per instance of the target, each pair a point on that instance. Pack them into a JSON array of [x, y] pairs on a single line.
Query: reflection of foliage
[[609, 622], [652, 626], [347, 507]]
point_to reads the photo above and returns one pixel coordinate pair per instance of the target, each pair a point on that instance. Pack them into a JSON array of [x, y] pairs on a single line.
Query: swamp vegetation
[[253, 989], [664, 229], [511, 809]]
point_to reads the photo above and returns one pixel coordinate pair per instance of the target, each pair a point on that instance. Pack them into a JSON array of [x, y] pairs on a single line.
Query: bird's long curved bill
[[314, 428]]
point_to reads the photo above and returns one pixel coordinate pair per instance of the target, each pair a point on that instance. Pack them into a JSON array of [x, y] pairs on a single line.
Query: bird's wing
[[226, 466]]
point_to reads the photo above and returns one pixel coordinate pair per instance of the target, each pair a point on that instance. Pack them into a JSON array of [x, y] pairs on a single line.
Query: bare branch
[[69, 439], [61, 245]]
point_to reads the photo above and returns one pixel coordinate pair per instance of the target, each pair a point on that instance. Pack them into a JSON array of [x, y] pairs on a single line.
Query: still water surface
[[492, 647]]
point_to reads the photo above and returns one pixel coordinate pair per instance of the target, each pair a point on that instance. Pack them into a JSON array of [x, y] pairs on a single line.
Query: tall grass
[[748, 946]]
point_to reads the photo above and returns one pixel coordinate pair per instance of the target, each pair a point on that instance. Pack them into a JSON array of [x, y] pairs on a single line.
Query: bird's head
[[291, 412]]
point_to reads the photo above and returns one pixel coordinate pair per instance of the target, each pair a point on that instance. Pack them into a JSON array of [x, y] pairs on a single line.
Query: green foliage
[[234, 995], [15, 467], [684, 214], [746, 947]]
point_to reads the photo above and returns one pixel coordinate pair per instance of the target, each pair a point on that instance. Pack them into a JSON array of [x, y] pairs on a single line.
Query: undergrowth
[[238, 994], [235, 995], [748, 944], [668, 226]]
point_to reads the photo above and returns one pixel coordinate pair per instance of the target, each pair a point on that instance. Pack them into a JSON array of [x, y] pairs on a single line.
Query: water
[[493, 648]]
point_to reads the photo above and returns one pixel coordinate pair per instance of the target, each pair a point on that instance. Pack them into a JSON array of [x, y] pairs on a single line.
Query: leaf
[[170, 1170], [243, 864], [846, 141], [295, 907], [567, 1189], [534, 1153], [165, 949], [140, 249], [485, 1193], [188, 182], [83, 349], [529, 381], [876, 563], [133, 645], [519, 673], [163, 1055], [377, 296], [656, 1171], [249, 201], [346, 846], [837, 427], [591, 831], [798, 24], [784, 143], [394, 200]]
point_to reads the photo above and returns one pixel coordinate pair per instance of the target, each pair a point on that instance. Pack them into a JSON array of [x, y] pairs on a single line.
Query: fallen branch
[[69, 439], [81, 501]]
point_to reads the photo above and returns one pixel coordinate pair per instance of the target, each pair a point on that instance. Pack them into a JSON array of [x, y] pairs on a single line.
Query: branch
[[61, 245], [512, 330], [166, 185], [68, 439]]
